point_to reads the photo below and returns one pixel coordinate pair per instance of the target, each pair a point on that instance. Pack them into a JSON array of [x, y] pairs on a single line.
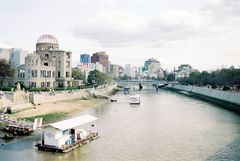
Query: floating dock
[[66, 148]]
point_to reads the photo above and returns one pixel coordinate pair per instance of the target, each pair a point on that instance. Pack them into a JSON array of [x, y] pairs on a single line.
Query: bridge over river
[[144, 82]]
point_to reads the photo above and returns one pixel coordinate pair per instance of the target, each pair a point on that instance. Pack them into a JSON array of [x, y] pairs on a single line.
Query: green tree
[[171, 77], [223, 78], [5, 69], [77, 74], [96, 77]]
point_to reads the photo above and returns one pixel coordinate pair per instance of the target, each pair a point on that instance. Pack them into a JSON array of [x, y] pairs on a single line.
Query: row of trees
[[220, 78], [94, 77]]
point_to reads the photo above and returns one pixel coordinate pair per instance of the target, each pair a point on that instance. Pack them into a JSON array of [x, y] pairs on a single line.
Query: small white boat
[[135, 99], [113, 99]]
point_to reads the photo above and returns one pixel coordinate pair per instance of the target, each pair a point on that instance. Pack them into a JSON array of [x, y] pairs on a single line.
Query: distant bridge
[[144, 82]]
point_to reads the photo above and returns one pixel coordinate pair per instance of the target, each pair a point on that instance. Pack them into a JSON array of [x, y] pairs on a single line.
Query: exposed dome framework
[[47, 39]]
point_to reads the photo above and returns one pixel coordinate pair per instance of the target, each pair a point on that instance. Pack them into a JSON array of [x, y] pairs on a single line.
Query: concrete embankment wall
[[44, 97], [228, 97]]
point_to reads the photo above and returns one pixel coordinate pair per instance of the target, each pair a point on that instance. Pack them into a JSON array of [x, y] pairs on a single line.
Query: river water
[[165, 126]]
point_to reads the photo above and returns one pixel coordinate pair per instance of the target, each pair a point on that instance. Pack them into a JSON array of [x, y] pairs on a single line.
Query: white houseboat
[[66, 135], [134, 99]]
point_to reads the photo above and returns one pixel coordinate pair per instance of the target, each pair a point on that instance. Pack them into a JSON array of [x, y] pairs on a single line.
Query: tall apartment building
[[114, 70], [85, 58], [154, 69], [17, 56], [102, 58], [48, 66], [128, 70]]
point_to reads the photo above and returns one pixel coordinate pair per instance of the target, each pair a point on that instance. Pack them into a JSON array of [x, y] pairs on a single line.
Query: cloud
[[114, 29], [225, 8]]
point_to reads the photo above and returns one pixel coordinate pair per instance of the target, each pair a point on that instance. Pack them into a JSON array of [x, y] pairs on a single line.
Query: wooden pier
[[66, 148]]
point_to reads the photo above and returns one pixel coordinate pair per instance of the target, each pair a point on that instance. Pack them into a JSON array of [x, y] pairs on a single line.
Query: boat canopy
[[73, 122]]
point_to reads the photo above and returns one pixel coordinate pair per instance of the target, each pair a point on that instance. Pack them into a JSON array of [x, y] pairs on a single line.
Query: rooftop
[[73, 122]]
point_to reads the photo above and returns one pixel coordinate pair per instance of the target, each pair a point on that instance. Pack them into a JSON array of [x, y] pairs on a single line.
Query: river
[[165, 126]]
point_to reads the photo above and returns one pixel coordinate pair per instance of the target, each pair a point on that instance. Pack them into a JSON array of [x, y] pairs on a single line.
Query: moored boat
[[66, 135], [134, 99], [113, 99]]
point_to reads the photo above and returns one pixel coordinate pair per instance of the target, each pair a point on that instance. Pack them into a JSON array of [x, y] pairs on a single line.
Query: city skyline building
[[102, 58], [17, 56], [114, 70], [128, 70], [85, 58], [184, 70], [153, 68], [151, 61]]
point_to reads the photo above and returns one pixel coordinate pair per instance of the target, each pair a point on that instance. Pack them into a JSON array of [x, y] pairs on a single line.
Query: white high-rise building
[[128, 70], [154, 68], [17, 56]]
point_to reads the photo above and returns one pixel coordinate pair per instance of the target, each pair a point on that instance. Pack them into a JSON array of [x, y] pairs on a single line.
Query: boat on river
[[113, 99], [66, 135], [134, 99]]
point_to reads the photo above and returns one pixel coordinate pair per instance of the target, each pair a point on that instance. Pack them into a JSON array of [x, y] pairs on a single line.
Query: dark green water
[[166, 126]]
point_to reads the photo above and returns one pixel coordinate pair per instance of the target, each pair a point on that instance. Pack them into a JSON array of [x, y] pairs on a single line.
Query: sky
[[202, 33]]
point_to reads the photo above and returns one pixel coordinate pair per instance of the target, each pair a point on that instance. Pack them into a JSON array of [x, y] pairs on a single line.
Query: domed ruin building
[[48, 67]]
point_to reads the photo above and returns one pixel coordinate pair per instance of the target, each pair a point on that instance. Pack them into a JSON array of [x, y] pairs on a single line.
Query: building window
[[32, 84], [67, 64], [67, 74], [48, 84], [42, 84], [34, 73], [58, 74], [46, 64], [49, 74], [46, 56], [65, 132], [68, 55], [21, 74], [44, 73], [53, 74]]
